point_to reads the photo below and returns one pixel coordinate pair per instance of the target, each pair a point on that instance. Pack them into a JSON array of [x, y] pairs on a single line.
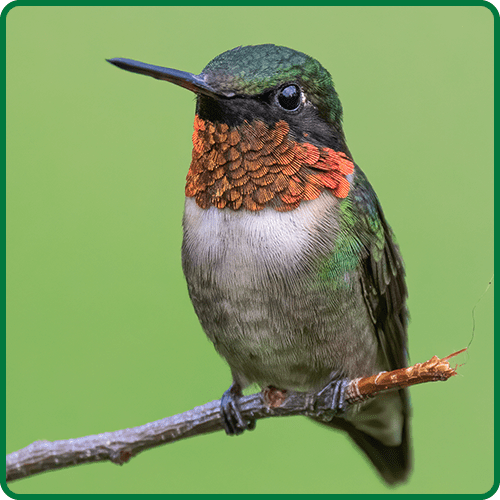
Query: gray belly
[[258, 284]]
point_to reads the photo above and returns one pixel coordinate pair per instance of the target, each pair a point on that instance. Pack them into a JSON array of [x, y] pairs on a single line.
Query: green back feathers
[[361, 233], [253, 69]]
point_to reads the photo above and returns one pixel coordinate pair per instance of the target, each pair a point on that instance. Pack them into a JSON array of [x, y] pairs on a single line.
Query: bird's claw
[[334, 396], [234, 424]]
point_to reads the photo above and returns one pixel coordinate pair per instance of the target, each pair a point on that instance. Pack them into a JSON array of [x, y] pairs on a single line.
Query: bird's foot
[[234, 424], [332, 396]]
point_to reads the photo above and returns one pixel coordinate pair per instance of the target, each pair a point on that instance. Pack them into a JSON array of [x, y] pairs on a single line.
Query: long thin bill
[[195, 83]]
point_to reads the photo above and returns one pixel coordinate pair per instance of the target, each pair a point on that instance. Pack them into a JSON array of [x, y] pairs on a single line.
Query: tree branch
[[120, 446]]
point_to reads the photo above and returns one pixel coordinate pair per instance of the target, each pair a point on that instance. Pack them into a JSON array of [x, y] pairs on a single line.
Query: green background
[[101, 334]]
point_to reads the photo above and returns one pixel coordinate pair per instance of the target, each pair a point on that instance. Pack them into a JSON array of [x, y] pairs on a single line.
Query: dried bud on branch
[[431, 371]]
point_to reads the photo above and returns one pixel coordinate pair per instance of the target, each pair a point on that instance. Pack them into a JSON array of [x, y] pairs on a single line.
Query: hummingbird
[[291, 266]]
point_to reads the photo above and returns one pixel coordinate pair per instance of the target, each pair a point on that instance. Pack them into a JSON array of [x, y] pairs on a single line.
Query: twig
[[120, 446]]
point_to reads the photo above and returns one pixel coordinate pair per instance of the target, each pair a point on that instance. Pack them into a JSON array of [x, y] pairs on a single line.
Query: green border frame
[[385, 3]]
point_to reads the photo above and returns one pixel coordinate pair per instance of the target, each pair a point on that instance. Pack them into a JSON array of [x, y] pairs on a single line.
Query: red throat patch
[[254, 165]]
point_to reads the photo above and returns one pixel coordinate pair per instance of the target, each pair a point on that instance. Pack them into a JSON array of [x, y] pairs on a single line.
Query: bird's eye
[[289, 97]]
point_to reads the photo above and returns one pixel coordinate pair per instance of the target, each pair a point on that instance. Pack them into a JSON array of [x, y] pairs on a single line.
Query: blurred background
[[101, 334]]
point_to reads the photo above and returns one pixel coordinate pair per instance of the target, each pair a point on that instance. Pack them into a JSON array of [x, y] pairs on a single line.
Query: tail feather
[[392, 462]]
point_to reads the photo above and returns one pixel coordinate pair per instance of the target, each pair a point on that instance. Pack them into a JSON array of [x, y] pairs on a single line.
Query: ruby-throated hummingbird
[[290, 264]]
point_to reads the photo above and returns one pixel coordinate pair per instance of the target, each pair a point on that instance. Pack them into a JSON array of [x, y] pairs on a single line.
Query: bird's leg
[[333, 395], [233, 422]]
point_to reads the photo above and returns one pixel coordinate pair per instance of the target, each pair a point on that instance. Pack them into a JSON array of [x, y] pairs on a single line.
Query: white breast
[[250, 243], [256, 285]]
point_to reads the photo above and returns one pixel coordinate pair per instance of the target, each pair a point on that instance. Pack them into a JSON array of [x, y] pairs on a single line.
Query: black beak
[[195, 83]]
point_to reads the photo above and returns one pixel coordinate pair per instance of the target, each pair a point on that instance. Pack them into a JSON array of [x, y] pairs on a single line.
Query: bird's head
[[268, 129]]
